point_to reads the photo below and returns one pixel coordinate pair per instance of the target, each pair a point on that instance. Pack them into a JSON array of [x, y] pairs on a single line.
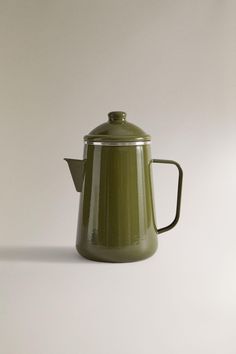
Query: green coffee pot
[[116, 215]]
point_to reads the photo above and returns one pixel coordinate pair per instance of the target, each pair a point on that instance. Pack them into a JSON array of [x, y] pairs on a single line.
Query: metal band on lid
[[117, 143]]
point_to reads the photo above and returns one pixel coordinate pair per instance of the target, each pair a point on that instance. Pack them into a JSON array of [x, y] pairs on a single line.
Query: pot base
[[134, 253]]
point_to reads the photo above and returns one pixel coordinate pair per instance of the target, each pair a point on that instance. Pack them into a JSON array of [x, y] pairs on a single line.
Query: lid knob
[[117, 117]]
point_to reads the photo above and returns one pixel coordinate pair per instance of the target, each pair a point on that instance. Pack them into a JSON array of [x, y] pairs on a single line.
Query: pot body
[[116, 213]]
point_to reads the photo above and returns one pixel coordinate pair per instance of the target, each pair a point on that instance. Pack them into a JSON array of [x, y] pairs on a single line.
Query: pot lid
[[117, 128]]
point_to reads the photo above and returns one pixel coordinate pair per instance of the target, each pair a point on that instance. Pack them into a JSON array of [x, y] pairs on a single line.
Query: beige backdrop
[[171, 66]]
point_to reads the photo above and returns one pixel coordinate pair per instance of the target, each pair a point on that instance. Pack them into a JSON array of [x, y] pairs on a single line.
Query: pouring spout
[[77, 170]]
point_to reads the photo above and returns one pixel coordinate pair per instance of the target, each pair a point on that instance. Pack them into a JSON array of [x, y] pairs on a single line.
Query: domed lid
[[117, 129]]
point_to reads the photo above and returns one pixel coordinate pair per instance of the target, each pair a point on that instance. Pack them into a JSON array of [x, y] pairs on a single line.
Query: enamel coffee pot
[[116, 215]]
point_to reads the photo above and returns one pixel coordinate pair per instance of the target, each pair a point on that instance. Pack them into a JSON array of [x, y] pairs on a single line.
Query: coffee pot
[[116, 220]]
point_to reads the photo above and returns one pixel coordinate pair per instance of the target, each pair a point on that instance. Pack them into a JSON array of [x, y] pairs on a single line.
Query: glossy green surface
[[117, 128], [116, 216], [116, 209]]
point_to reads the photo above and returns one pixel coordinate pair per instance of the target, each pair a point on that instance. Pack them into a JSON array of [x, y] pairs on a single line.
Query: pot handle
[[179, 192]]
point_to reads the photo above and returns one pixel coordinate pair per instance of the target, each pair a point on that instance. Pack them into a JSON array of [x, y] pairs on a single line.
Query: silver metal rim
[[118, 143]]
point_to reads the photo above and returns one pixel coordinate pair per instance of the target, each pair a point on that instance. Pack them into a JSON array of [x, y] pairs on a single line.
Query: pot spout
[[77, 170]]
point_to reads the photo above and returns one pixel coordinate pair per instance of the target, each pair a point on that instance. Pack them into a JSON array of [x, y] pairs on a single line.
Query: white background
[[171, 66]]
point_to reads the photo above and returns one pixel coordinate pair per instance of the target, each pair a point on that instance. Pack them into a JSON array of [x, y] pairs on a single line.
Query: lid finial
[[117, 117]]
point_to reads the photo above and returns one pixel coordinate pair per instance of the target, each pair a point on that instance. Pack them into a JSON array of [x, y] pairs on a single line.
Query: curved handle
[[179, 192]]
